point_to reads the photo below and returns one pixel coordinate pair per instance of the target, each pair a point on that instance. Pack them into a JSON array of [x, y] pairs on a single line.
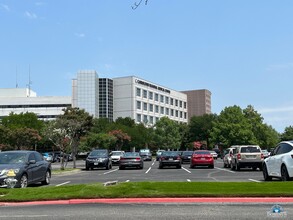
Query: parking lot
[[150, 172]]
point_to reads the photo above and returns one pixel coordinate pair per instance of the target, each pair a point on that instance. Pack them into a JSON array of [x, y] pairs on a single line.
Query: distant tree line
[[76, 131]]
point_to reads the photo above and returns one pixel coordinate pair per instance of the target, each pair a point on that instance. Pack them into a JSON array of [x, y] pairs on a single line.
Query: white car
[[214, 154], [227, 159], [116, 155], [280, 163]]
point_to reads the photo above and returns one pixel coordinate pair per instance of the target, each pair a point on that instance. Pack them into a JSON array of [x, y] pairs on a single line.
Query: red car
[[202, 158]]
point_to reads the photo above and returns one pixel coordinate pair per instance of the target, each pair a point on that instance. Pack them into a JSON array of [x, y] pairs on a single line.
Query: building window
[[138, 105], [145, 93], [181, 114], [167, 100], [145, 119], [185, 105], [176, 113], [161, 98], [138, 92], [172, 112], [151, 119], [185, 115], [162, 110], [167, 111], [138, 117], [176, 102], [180, 104], [151, 95], [172, 101], [157, 109], [156, 97], [151, 108], [145, 106], [157, 119]]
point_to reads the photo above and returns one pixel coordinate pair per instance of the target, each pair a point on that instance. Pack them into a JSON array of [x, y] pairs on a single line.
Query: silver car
[[227, 159]]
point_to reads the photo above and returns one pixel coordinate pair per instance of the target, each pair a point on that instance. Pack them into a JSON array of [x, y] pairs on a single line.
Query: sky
[[241, 51]]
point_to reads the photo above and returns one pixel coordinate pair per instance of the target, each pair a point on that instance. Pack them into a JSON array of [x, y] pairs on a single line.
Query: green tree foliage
[[77, 122], [97, 140], [232, 128], [101, 125], [23, 138], [121, 138], [167, 134], [22, 120], [200, 127], [287, 134]]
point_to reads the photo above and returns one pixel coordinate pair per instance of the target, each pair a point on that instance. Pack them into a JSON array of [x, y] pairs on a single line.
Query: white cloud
[[276, 110], [6, 7], [80, 35], [30, 15]]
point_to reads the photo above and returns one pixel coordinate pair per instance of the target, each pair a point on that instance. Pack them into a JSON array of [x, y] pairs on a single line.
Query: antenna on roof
[[29, 81], [16, 79]]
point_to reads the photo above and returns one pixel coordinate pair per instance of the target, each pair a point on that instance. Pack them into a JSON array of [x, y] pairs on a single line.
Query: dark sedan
[[27, 167], [98, 158], [131, 159], [186, 156], [170, 158]]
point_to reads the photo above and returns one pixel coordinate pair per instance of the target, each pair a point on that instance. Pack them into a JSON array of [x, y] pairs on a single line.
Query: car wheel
[[212, 166], [179, 167], [87, 167], [23, 181], [121, 168], [225, 165], [141, 167], [191, 166], [284, 173], [47, 178], [265, 173], [160, 166]]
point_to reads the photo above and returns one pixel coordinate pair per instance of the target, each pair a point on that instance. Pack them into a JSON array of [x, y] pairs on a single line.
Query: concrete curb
[[273, 200]]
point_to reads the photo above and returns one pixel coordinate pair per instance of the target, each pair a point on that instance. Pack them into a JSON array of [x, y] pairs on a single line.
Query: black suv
[[98, 158]]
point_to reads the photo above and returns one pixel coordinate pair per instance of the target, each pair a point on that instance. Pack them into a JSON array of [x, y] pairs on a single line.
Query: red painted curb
[[156, 200]]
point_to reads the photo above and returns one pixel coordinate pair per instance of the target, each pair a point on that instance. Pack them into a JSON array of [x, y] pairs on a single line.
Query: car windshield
[[202, 152], [250, 150], [12, 158], [101, 153], [170, 153], [117, 153], [187, 153], [131, 154]]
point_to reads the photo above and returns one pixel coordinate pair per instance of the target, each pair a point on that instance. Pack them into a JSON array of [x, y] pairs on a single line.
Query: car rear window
[[250, 150], [187, 153], [170, 153], [202, 152]]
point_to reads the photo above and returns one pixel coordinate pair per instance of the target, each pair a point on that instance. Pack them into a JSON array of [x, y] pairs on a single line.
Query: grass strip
[[150, 189]]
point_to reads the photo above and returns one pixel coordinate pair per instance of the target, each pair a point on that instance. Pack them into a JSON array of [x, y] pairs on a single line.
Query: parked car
[[247, 156], [28, 167], [265, 153], [170, 158], [186, 156], [228, 155], [202, 158], [158, 154], [116, 155], [48, 157], [145, 154], [131, 159], [280, 163], [98, 158], [214, 154]]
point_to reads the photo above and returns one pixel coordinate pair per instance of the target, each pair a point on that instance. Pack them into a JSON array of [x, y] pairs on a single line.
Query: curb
[[273, 200]]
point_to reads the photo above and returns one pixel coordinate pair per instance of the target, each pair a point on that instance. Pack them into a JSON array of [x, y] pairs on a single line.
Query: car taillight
[[162, 158], [178, 158], [122, 158], [238, 156], [262, 156], [138, 159], [194, 155]]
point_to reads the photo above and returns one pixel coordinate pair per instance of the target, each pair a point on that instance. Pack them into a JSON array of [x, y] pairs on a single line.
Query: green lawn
[[150, 189]]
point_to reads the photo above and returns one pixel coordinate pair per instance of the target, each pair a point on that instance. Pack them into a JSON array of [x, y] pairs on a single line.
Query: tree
[[23, 138], [121, 138], [232, 128], [22, 120], [76, 123], [287, 134], [200, 127], [167, 133]]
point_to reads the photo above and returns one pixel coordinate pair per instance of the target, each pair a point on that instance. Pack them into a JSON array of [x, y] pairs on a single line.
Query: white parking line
[[231, 171], [111, 171], [185, 170], [188, 180], [153, 163], [257, 181], [148, 170], [61, 184]]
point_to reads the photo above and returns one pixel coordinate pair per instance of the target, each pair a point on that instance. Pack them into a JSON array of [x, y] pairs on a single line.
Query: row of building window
[[37, 106], [160, 109], [164, 99]]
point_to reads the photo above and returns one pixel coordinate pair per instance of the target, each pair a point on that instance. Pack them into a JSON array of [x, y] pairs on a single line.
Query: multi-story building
[[130, 96], [199, 102], [22, 100]]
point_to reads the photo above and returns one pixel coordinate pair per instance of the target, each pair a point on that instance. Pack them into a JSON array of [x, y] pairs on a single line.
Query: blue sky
[[242, 51]]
